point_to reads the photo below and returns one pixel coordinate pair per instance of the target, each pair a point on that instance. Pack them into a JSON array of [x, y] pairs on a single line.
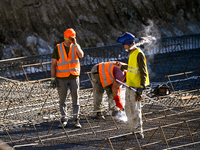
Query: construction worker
[[103, 76], [65, 71], [137, 77]]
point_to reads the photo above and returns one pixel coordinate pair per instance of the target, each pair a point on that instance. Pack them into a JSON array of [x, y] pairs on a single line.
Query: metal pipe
[[143, 95]]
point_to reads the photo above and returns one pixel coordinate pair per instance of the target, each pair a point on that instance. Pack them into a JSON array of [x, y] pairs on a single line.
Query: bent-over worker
[[103, 76]]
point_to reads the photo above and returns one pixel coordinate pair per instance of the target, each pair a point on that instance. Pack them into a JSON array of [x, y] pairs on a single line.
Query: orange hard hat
[[69, 32]]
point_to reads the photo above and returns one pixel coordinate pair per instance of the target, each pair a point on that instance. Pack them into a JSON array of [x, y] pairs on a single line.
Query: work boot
[[140, 135], [64, 123], [116, 113], [77, 124], [99, 116]]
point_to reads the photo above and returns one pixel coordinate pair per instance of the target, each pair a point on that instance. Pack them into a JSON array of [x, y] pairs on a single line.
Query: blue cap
[[127, 39]]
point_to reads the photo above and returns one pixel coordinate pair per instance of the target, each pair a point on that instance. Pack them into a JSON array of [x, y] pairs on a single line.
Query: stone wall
[[31, 27]]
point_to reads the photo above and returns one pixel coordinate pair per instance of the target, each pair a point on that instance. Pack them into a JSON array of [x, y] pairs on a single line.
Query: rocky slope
[[31, 27]]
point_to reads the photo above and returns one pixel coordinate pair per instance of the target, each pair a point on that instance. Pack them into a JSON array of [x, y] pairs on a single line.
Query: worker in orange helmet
[[65, 71], [103, 76]]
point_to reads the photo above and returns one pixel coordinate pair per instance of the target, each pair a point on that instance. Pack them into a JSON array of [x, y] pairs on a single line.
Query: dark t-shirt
[[55, 55]]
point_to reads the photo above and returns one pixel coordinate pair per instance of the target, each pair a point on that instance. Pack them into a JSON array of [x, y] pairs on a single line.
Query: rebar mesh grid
[[30, 114], [29, 111]]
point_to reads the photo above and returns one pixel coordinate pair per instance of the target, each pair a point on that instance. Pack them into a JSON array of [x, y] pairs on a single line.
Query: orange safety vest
[[67, 65], [106, 73]]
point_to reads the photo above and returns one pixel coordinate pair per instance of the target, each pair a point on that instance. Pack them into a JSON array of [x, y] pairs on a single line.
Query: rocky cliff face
[[31, 27]]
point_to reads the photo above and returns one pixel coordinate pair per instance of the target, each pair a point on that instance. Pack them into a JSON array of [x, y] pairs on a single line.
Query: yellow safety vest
[[67, 65], [133, 77]]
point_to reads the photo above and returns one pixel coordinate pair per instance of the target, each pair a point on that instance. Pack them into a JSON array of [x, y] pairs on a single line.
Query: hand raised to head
[[72, 40]]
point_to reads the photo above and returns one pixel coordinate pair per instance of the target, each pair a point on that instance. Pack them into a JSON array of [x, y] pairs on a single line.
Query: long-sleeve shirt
[[142, 68]]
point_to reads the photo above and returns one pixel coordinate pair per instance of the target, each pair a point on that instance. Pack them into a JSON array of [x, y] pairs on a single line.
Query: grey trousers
[[133, 111], [63, 85], [98, 91]]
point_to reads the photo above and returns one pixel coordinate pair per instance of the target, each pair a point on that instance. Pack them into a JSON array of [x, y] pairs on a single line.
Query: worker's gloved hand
[[118, 102], [53, 82], [139, 93], [73, 40], [138, 98]]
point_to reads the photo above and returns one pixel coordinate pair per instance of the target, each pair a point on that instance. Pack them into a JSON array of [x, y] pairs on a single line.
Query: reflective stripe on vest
[[68, 70], [134, 70], [133, 78], [67, 65], [106, 76], [63, 56]]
